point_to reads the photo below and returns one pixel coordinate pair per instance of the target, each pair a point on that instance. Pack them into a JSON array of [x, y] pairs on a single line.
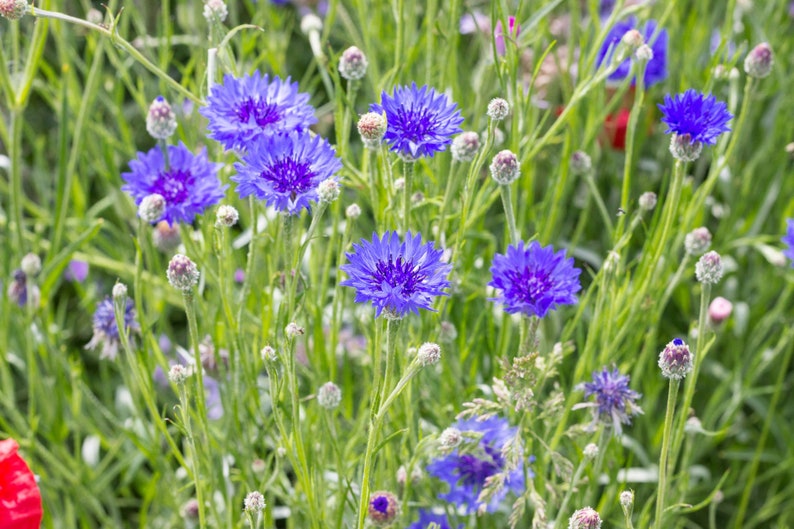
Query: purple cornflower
[[788, 239], [420, 121], [655, 70], [534, 279], [189, 184], [426, 517], [19, 290], [397, 276], [614, 403], [467, 472], [106, 332], [498, 34], [697, 116], [242, 110], [285, 170], [76, 271]]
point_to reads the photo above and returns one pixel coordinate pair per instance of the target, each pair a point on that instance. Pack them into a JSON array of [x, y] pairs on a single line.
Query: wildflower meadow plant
[[694, 119]]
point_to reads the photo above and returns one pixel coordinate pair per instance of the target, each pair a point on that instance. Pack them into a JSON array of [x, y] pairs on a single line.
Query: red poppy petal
[[20, 499]]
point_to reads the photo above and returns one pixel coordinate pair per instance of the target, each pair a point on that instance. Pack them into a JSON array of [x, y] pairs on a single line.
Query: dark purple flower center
[[174, 185], [381, 504], [261, 112], [398, 274], [288, 175], [415, 124], [474, 471], [529, 285]]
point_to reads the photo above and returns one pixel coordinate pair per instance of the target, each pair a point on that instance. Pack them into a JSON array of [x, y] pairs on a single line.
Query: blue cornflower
[[614, 403], [697, 116], [243, 109], [285, 170], [397, 276], [534, 279], [467, 472], [420, 121], [106, 332], [788, 239], [189, 185], [656, 69], [426, 517]]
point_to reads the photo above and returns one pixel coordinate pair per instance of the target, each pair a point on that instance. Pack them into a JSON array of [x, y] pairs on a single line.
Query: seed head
[[161, 120], [182, 272], [152, 208], [383, 508], [697, 241], [759, 61], [353, 64], [648, 200], [372, 128], [215, 9], [465, 146], [31, 265], [675, 360], [429, 353], [581, 163], [13, 9], [498, 109], [586, 518], [505, 168], [450, 438], [329, 396], [226, 216], [254, 502], [353, 211], [709, 269], [119, 291], [684, 149], [178, 374], [328, 191]]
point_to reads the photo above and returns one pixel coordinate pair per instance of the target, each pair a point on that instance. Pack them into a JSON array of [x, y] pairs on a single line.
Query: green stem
[[190, 312], [639, 97], [507, 202], [668, 427], [408, 177], [194, 459], [17, 196], [249, 267]]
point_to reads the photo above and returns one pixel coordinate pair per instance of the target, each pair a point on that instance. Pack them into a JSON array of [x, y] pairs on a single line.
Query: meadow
[[410, 264]]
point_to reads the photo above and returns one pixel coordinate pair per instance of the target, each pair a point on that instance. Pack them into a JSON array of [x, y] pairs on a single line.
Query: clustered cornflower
[[420, 121], [106, 332], [285, 170], [397, 276], [466, 472], [242, 110], [534, 279], [614, 404], [694, 119], [188, 183], [656, 69]]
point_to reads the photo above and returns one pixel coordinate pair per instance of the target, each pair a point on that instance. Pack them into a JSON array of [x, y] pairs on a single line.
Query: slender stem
[[639, 97], [451, 180], [507, 202], [668, 427], [194, 457], [408, 176], [567, 498], [293, 286], [17, 196], [249, 267], [190, 312]]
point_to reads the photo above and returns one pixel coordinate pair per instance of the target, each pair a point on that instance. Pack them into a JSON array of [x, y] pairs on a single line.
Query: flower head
[[466, 472], [465, 146], [13, 9], [720, 309], [698, 116], [426, 517], [614, 402], [383, 508], [656, 69], [788, 240], [182, 272], [106, 332], [353, 64], [372, 127], [244, 109], [759, 61], [329, 396], [586, 518], [254, 502], [534, 279], [420, 121], [76, 271], [188, 183], [396, 276], [19, 493], [675, 360], [709, 268], [286, 170], [160, 119]]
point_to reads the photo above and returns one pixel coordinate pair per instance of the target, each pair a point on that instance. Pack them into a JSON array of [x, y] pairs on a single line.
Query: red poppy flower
[[615, 129], [20, 499]]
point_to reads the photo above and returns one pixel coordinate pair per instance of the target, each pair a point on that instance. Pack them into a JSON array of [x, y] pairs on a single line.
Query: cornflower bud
[[709, 269], [429, 353], [182, 273], [648, 200], [627, 501], [581, 163], [328, 191], [759, 61], [644, 53], [720, 310], [586, 518], [684, 149], [372, 128], [498, 109], [293, 329], [13, 9], [383, 508], [697, 241], [450, 438], [675, 360], [226, 216], [465, 146], [119, 291], [353, 64], [311, 23], [254, 502], [505, 168], [633, 39], [329, 396], [178, 374], [591, 451], [215, 9], [269, 354], [165, 237], [160, 120], [353, 211], [31, 265], [152, 208]]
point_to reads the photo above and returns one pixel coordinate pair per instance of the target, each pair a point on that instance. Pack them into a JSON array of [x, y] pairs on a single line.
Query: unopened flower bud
[[31, 265], [586, 518], [329, 396], [399, 184], [165, 237], [182, 273], [709, 269], [759, 61], [353, 64], [152, 208], [372, 128], [178, 374], [720, 310], [693, 425], [226, 216], [581, 163], [190, 510], [13, 9], [633, 39], [353, 211], [258, 466], [417, 198], [591, 451], [627, 501], [429, 353], [383, 508], [505, 168], [675, 360], [498, 109], [328, 191], [293, 329], [215, 9], [648, 200], [684, 149], [119, 291], [254, 502], [644, 53], [160, 120], [269, 354], [465, 146], [697, 241], [310, 23], [450, 438]]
